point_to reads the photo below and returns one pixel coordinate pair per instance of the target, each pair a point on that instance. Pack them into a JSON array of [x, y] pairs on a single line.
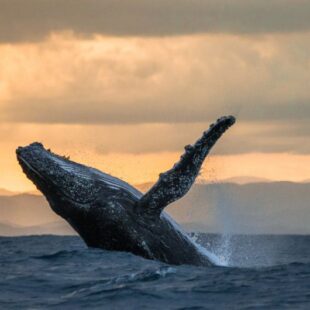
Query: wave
[[57, 272], [57, 255]]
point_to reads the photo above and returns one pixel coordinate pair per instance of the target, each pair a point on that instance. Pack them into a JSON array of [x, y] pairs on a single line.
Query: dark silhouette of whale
[[109, 213]]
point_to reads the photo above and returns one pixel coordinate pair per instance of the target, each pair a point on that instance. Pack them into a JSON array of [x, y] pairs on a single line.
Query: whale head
[[74, 191]]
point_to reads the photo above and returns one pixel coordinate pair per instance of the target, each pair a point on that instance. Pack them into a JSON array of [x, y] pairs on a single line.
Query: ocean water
[[257, 272]]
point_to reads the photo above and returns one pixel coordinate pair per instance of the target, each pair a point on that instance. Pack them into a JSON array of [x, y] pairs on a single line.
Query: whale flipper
[[176, 182]]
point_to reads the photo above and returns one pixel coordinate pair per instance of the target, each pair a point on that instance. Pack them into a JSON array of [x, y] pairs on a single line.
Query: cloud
[[244, 137], [36, 19], [176, 80], [137, 95]]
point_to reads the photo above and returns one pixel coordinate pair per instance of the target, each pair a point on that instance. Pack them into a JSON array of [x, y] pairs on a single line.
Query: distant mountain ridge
[[245, 180], [55, 228], [144, 187], [259, 208], [26, 210], [5, 192]]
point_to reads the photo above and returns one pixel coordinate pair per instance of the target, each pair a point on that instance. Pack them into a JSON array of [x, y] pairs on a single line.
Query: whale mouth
[[38, 162], [26, 158], [28, 168], [38, 179]]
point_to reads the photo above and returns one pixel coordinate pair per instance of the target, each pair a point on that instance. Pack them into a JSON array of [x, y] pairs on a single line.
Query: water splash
[[224, 250], [212, 254], [224, 219]]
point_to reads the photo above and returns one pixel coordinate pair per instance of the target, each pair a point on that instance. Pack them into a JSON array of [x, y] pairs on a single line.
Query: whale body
[[109, 213]]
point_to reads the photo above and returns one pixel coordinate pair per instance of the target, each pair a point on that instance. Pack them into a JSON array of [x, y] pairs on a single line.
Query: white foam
[[216, 260]]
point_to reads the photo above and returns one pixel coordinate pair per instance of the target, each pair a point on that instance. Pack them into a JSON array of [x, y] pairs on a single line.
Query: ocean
[[256, 272]]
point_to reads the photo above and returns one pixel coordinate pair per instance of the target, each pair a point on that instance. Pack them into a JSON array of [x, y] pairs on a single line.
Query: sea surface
[[256, 272]]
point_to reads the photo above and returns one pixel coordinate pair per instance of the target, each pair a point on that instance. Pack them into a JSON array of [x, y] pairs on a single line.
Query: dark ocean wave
[[58, 255], [61, 273]]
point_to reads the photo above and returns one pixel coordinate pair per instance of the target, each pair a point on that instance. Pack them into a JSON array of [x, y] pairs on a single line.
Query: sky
[[124, 85]]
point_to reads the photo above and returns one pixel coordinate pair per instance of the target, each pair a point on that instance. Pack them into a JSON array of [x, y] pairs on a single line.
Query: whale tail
[[176, 182]]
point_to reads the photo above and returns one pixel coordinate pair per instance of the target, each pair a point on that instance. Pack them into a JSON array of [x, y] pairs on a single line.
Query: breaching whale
[[109, 213]]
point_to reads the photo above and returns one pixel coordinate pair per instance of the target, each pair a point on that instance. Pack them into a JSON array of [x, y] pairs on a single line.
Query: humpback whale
[[109, 213]]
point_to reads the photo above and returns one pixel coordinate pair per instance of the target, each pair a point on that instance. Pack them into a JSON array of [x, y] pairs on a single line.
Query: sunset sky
[[124, 85]]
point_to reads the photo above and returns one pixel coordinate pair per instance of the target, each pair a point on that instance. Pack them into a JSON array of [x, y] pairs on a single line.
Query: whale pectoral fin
[[176, 182]]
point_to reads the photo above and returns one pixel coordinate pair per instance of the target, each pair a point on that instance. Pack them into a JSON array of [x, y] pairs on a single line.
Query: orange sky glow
[[141, 168], [128, 105]]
